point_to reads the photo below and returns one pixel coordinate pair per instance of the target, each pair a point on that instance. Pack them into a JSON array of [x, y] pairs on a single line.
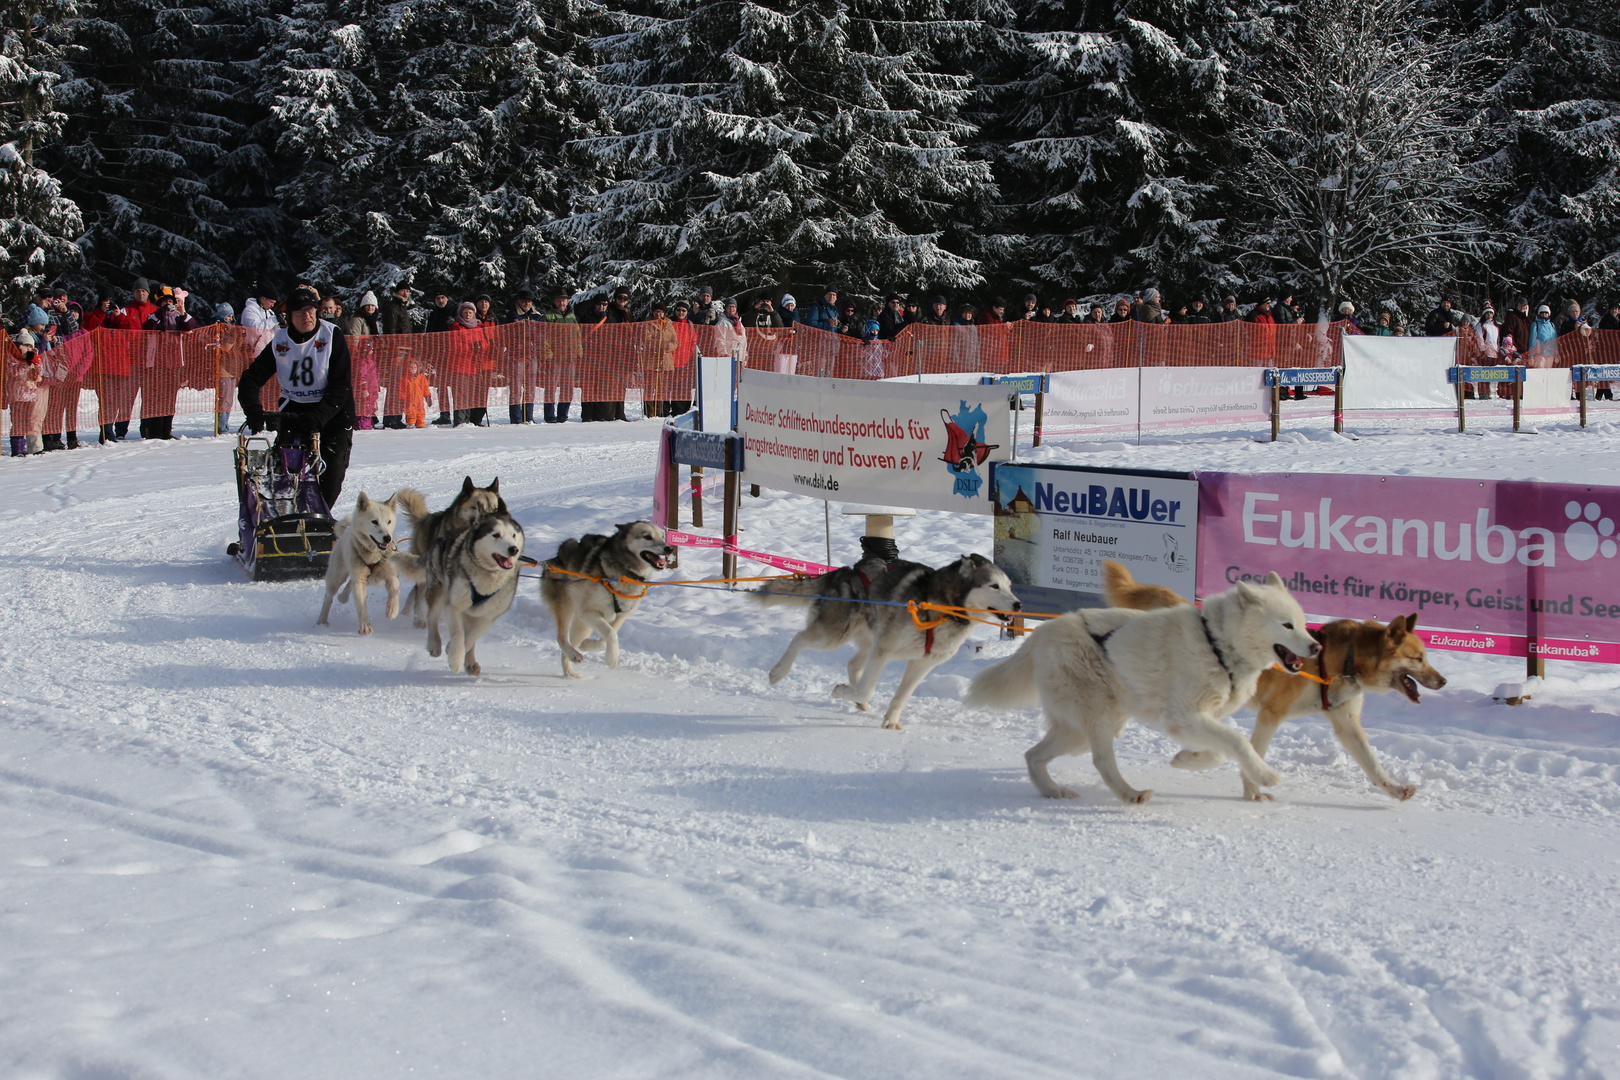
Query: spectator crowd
[[44, 396]]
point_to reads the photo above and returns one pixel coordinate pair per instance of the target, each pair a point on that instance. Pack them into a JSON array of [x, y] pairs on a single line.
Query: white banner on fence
[[1103, 400], [1398, 373], [893, 444], [717, 393], [1176, 396], [1546, 392]]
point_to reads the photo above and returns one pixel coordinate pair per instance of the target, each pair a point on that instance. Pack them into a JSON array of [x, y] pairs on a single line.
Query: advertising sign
[[1398, 372], [1176, 396], [716, 393], [889, 443], [1057, 524], [1487, 565], [1103, 400]]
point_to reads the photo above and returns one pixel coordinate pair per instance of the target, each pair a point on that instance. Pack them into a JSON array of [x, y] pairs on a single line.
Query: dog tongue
[[506, 564]]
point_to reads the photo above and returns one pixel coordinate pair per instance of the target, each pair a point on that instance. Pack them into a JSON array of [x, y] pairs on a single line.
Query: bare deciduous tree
[[1357, 151]]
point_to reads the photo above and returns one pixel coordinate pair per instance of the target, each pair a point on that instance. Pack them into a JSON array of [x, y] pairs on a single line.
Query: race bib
[[302, 369]]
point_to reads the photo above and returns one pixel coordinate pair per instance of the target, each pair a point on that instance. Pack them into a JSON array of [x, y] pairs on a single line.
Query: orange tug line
[[914, 607]]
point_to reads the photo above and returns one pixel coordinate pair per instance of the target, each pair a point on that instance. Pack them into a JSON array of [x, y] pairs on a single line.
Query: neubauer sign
[[1496, 565], [1057, 524], [923, 445]]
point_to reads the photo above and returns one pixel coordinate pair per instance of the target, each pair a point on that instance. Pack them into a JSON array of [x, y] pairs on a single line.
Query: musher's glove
[[296, 423], [261, 422]]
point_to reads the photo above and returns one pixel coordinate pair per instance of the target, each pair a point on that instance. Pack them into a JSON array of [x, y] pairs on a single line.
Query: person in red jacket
[[160, 378]]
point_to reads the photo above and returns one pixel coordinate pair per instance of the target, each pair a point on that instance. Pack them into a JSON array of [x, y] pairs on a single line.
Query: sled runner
[[285, 527]]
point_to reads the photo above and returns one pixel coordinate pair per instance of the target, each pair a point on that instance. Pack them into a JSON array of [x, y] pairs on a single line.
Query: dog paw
[[1254, 794], [1400, 791], [574, 655], [890, 724], [474, 669], [863, 706], [1060, 793], [841, 692], [364, 630], [594, 644], [393, 609], [1137, 798], [421, 624], [1267, 776]]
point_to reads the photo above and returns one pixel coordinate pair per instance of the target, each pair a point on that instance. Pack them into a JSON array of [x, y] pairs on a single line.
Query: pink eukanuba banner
[[1487, 565]]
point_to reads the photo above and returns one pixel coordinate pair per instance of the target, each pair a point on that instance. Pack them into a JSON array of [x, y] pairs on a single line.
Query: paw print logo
[[1583, 540]]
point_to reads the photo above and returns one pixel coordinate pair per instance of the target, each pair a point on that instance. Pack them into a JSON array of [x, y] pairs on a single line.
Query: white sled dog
[[581, 605], [1178, 669], [885, 631], [365, 547], [470, 576]]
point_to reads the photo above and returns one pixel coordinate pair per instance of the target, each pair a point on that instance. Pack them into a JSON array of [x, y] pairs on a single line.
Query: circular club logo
[[1583, 540]]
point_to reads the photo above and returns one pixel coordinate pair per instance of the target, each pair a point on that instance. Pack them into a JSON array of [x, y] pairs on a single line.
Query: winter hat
[[621, 291], [1543, 310], [267, 292], [1231, 299], [1347, 308], [36, 316], [224, 311], [1151, 296], [141, 284], [787, 298], [302, 298], [467, 313], [939, 300], [524, 294], [705, 290], [682, 305], [369, 298], [1030, 298]]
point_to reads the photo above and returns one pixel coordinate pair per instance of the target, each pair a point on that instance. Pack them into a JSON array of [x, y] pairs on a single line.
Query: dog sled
[[285, 529]]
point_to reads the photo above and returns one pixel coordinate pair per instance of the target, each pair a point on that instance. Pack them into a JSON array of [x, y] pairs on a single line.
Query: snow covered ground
[[235, 845]]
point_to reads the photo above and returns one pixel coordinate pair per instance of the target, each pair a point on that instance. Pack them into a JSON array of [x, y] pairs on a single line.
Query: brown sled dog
[[1357, 657]]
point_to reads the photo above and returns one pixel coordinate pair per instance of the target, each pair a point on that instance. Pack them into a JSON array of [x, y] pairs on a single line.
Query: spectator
[[562, 353], [66, 316], [937, 313], [1611, 321], [1148, 310], [729, 338], [118, 384], [441, 319], [97, 315], [597, 356], [524, 378], [310, 362], [679, 380], [658, 346], [1543, 340], [995, 314], [1345, 320], [413, 392], [140, 306], [913, 309], [1386, 325], [24, 383], [225, 384], [823, 314], [790, 310], [1197, 314], [618, 343], [1438, 322], [1262, 338], [849, 321], [1179, 314], [362, 358], [763, 317], [1032, 310], [331, 310], [467, 344], [704, 311], [1070, 315], [964, 314], [394, 317], [1097, 316], [369, 312], [259, 315], [1488, 333], [1228, 312], [1283, 312], [1122, 310], [1568, 323], [893, 319], [1516, 323], [160, 385], [64, 374]]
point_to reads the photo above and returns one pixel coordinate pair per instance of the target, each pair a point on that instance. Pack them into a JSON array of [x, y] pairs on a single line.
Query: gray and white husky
[[884, 630], [1178, 669], [429, 529], [470, 575], [365, 547], [581, 605]]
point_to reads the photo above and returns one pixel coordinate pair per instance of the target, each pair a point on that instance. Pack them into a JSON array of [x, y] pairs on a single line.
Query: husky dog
[[470, 574], [1177, 669], [581, 605], [427, 529], [365, 547], [884, 630], [1357, 656], [833, 611]]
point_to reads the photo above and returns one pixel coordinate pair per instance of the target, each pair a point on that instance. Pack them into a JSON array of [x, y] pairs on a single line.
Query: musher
[[310, 360]]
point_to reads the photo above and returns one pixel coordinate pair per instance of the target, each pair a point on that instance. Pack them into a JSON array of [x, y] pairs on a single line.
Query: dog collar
[[478, 597], [1349, 675], [1216, 649]]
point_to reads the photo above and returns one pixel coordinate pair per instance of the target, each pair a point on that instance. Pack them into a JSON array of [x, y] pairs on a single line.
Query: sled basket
[[285, 530]]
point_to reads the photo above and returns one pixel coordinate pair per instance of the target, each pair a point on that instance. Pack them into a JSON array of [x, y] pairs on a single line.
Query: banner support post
[[1462, 420], [1040, 415], [1276, 407], [728, 528], [1338, 402], [1580, 390], [697, 496], [1518, 395]]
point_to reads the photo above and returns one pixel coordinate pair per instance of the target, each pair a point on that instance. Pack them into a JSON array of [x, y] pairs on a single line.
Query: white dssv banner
[[895, 444], [1172, 396], [1398, 372], [1102, 400]]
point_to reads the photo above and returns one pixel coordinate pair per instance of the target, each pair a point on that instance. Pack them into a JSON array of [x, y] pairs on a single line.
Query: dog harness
[[1348, 676], [1216, 649], [478, 597]]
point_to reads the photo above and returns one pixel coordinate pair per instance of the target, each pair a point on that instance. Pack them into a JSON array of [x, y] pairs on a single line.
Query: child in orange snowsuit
[[414, 391]]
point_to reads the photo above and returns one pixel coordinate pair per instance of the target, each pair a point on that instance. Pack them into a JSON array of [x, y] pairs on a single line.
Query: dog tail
[[1007, 685], [1125, 591], [787, 591], [412, 503], [410, 566]]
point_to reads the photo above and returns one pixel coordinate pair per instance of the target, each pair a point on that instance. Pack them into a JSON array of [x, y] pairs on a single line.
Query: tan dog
[[1357, 656], [365, 548]]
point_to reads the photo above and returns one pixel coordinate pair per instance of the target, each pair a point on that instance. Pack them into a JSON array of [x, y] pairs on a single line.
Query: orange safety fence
[[114, 376]]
